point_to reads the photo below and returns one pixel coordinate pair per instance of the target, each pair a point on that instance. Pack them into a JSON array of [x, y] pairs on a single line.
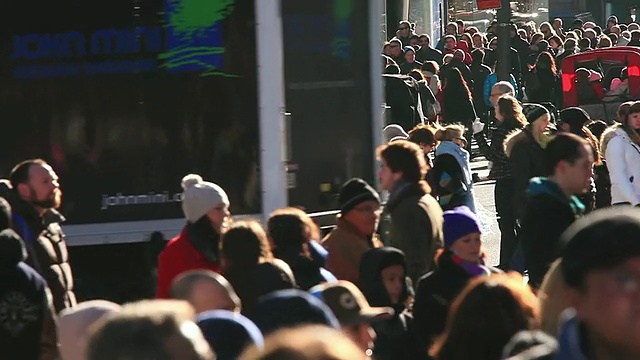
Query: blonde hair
[[450, 132]]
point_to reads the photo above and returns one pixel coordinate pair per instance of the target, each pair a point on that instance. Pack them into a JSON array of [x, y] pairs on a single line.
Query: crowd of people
[[403, 279]]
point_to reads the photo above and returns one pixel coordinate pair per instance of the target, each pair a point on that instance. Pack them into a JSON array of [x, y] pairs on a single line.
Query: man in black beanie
[[354, 233], [601, 269]]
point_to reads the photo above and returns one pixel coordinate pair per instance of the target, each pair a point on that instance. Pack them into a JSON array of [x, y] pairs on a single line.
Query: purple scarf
[[473, 269]]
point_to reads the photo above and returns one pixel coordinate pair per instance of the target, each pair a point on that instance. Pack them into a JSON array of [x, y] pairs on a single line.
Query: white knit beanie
[[200, 196]]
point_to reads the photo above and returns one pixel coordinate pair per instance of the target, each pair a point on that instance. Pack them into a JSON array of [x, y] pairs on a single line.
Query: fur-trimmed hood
[[516, 137], [608, 134]]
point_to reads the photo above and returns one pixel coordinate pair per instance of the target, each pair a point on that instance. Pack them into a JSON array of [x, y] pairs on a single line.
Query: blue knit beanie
[[459, 222]]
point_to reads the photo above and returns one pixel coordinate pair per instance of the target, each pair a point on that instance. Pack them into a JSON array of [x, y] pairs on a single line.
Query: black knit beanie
[[354, 192]]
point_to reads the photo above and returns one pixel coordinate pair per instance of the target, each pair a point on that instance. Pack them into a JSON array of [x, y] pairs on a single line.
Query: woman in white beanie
[[206, 208]]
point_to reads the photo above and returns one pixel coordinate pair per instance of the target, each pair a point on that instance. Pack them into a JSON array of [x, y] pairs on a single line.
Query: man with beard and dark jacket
[[426, 52], [206, 208], [415, 216], [551, 204], [34, 194], [27, 329], [384, 282]]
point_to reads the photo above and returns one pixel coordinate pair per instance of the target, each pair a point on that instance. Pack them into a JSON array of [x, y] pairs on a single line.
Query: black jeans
[[507, 218]]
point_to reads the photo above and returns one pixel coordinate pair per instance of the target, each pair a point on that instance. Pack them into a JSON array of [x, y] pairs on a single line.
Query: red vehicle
[[609, 62]]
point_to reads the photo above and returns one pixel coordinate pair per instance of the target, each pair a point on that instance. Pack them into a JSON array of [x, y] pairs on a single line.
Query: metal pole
[[503, 66]]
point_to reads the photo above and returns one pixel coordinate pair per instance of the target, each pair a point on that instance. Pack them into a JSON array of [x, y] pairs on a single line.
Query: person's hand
[[477, 126]]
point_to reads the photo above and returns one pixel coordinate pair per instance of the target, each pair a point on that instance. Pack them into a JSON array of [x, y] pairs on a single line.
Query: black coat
[[395, 336], [401, 95], [527, 161], [448, 180], [548, 213], [435, 294], [429, 54], [27, 330]]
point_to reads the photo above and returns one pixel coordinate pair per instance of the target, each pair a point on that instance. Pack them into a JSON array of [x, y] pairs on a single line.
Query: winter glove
[[477, 126]]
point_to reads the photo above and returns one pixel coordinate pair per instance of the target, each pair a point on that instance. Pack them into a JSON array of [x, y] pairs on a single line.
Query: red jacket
[[178, 257]]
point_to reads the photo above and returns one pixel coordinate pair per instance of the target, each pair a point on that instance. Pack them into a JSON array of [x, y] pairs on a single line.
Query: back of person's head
[[205, 290], [74, 324], [406, 157], [423, 134], [392, 69], [597, 127], [151, 329], [504, 87], [244, 244], [563, 147], [229, 333], [306, 343], [450, 132], [511, 109], [569, 44], [416, 75], [290, 230], [478, 56], [430, 66], [584, 43], [5, 214], [291, 308], [12, 249], [485, 316]]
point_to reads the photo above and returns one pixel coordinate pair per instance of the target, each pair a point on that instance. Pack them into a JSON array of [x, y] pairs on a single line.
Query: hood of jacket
[[12, 250], [371, 266], [610, 133], [515, 137], [544, 186], [461, 155]]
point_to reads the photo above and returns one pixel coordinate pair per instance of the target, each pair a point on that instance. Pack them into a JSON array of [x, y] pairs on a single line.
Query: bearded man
[[34, 194]]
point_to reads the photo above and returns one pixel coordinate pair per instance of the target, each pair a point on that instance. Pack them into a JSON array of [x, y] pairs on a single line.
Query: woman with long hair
[[461, 260], [249, 265], [543, 82], [621, 150], [451, 172], [458, 103], [486, 315], [290, 231], [510, 119]]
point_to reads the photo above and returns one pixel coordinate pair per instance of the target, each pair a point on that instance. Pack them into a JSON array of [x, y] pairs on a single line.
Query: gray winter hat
[[200, 196]]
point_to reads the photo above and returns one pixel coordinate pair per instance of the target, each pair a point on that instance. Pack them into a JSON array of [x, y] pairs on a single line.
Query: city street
[[486, 210]]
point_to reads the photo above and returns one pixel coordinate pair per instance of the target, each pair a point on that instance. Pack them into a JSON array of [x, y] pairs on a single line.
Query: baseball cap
[[348, 303], [603, 239]]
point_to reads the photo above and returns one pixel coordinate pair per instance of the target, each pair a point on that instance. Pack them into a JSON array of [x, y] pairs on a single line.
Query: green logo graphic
[[194, 35]]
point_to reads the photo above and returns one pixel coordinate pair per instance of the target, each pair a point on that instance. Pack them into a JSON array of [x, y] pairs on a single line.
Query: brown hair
[[633, 133], [511, 110], [484, 317], [289, 230], [244, 244], [406, 157], [450, 132], [423, 134]]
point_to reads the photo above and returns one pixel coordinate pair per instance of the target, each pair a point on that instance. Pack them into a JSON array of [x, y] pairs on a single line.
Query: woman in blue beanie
[[461, 259]]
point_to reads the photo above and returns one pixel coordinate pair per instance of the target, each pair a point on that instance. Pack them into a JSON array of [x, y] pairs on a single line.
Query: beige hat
[[200, 196]]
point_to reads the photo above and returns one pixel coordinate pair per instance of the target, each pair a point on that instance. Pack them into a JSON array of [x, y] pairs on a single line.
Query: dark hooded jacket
[[526, 156], [45, 244], [395, 336], [27, 329], [548, 213], [435, 293]]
